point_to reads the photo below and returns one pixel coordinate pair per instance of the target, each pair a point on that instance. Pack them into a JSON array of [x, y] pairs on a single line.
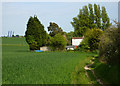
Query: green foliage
[[83, 46], [91, 16], [81, 22], [48, 39], [105, 19], [33, 45], [105, 72], [35, 34], [97, 16], [54, 29], [69, 36], [58, 42], [87, 19], [92, 38], [79, 74], [109, 46]]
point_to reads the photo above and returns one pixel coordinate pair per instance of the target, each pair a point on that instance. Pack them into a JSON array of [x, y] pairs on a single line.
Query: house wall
[[76, 42], [45, 48]]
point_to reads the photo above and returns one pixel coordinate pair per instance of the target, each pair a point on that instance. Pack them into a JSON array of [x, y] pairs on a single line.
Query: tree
[[58, 42], [54, 29], [69, 36], [87, 19], [35, 34], [91, 16], [92, 38], [105, 19], [80, 22], [110, 45], [97, 16]]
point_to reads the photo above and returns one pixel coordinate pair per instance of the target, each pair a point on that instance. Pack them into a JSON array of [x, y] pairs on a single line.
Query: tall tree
[[105, 19], [78, 24], [91, 16], [35, 34], [81, 22], [97, 16], [95, 12], [54, 29], [87, 19], [86, 16]]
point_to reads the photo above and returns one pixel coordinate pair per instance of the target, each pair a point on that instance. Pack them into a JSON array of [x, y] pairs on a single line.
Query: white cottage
[[76, 40]]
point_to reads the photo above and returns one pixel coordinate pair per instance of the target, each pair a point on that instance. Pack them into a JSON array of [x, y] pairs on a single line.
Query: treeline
[[98, 33], [37, 37], [92, 22], [89, 18]]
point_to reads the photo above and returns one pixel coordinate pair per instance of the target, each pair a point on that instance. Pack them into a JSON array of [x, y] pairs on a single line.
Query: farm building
[[75, 42], [45, 48]]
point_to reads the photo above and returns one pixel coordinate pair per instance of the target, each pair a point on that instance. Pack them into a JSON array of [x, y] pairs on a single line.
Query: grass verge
[[107, 73], [79, 75]]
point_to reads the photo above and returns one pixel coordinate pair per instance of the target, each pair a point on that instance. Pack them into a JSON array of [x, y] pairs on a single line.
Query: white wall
[[76, 42], [45, 48]]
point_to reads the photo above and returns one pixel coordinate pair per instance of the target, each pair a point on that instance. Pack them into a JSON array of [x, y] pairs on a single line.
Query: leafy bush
[[33, 45], [110, 46], [91, 39], [58, 42], [83, 46]]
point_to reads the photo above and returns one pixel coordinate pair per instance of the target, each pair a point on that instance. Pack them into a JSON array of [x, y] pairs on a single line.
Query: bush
[[91, 39], [58, 42], [83, 46], [33, 46], [109, 46]]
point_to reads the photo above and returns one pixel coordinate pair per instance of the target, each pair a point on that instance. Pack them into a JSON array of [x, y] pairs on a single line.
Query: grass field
[[20, 66]]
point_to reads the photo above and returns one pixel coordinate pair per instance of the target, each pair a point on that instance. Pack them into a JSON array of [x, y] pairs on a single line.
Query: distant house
[[75, 42]]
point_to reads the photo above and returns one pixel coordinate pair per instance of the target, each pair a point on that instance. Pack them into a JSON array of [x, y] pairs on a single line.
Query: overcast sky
[[16, 14]]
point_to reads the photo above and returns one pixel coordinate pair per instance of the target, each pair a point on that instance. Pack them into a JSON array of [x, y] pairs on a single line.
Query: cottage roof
[[77, 37]]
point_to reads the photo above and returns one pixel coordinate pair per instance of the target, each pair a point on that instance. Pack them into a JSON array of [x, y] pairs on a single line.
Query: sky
[[15, 15]]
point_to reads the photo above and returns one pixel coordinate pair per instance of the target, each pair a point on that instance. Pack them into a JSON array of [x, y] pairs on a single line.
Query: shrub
[[109, 46], [33, 45], [91, 39], [58, 42], [83, 46]]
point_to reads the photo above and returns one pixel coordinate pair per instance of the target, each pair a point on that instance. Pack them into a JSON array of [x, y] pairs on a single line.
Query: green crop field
[[20, 66]]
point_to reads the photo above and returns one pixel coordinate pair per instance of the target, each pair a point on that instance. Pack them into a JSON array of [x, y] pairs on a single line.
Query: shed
[[45, 48]]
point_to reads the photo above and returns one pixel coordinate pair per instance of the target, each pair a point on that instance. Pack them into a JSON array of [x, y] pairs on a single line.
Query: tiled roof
[[77, 37]]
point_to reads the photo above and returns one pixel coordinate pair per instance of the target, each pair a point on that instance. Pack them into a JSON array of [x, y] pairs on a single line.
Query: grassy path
[[79, 74]]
